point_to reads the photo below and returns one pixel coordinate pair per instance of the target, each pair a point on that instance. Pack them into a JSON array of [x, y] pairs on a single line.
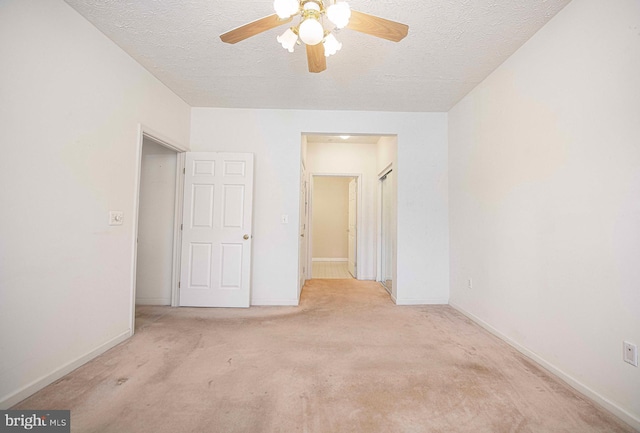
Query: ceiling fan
[[320, 43]]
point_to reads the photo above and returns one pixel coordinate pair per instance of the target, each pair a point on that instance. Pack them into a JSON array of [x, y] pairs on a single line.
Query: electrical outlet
[[470, 283], [630, 353]]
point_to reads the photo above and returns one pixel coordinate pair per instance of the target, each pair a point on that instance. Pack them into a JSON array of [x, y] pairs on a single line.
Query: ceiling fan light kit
[[320, 43]]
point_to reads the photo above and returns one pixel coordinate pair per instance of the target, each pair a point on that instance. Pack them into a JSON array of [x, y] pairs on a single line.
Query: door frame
[[146, 132], [359, 213], [388, 169], [304, 194], [355, 235]]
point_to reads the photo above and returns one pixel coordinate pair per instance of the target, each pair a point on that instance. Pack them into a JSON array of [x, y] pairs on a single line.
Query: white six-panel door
[[216, 231]]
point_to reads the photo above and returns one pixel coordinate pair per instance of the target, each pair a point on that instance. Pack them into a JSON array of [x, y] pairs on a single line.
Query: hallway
[[330, 270]]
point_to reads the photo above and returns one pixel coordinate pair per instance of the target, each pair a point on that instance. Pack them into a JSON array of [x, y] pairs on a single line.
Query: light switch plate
[[116, 217], [284, 219]]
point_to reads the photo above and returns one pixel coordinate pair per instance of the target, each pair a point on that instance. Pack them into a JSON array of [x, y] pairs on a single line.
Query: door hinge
[[184, 171], [180, 226], [178, 284]]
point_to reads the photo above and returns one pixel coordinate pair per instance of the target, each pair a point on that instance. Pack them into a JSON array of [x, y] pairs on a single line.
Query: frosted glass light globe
[[288, 40], [331, 46], [311, 31], [285, 8], [339, 14]]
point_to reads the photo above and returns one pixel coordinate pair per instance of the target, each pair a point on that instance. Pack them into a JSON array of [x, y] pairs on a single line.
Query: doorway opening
[[329, 164], [158, 206], [156, 222], [334, 227]]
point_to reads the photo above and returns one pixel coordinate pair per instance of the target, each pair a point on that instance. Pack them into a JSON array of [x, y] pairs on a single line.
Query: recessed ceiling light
[[345, 137]]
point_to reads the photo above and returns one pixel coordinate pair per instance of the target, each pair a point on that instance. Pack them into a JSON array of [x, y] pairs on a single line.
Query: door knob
[[245, 237], [302, 235]]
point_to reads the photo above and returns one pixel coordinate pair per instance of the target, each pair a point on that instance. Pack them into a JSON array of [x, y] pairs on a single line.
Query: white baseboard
[[48, 379], [612, 407], [430, 301], [329, 259], [153, 301], [274, 302]]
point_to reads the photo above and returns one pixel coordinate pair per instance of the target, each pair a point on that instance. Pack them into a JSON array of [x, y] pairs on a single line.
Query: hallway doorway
[[355, 162], [334, 226], [157, 221]]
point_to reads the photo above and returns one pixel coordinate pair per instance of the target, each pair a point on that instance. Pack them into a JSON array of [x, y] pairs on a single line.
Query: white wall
[[330, 217], [387, 153], [274, 137], [356, 158], [544, 159], [156, 224], [71, 104]]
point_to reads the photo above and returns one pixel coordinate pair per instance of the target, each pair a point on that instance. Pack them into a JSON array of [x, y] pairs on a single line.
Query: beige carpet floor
[[345, 360]]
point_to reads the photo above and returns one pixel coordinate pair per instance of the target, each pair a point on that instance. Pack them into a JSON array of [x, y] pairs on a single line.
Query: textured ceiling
[[452, 45]]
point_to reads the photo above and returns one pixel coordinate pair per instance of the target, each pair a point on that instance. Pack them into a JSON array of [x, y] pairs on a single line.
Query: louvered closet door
[[216, 231]]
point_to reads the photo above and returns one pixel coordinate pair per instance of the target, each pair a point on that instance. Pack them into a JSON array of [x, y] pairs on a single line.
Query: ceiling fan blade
[[315, 58], [253, 28], [376, 26]]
